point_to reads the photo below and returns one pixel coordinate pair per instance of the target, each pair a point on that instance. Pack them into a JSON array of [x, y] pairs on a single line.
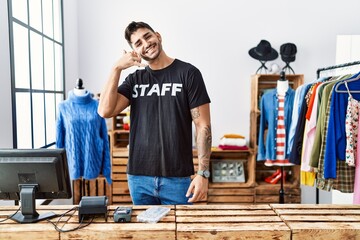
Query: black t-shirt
[[160, 120]]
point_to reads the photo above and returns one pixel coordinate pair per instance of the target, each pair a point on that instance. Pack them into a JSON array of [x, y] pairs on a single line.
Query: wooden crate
[[320, 221], [269, 193], [248, 158], [120, 189], [94, 187], [229, 222]]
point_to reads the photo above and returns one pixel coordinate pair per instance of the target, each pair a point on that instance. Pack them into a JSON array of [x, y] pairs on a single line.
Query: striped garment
[[280, 130]]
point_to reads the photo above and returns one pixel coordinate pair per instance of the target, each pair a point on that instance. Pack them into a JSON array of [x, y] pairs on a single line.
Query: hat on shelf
[[263, 51], [288, 52]]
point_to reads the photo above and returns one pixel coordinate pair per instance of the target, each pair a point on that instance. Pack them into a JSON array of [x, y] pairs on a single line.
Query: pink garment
[[232, 147], [356, 195], [351, 127], [309, 133]]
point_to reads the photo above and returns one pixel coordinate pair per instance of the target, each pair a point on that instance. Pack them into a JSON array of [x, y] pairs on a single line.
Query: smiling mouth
[[150, 48]]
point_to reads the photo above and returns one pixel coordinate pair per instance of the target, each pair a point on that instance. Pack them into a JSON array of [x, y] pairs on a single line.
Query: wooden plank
[[77, 191], [231, 191], [120, 199], [225, 212], [120, 152], [239, 230], [119, 169], [222, 207], [92, 187], [228, 219], [42, 231], [119, 161], [119, 177], [229, 222], [328, 231], [322, 218], [273, 189], [325, 221], [318, 211], [123, 231], [120, 188], [275, 198], [315, 206], [230, 199]]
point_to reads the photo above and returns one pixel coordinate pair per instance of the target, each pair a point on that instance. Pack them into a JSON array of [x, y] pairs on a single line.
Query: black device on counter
[[92, 205], [122, 214]]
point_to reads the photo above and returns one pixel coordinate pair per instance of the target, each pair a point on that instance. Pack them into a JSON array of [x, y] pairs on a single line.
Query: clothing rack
[[339, 66], [344, 66]]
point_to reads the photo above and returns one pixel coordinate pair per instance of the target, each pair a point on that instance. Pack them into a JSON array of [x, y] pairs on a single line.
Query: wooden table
[[98, 229], [320, 221], [274, 221]]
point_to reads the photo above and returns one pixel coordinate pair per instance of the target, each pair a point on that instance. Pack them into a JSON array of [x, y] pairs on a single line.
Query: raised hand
[[129, 59]]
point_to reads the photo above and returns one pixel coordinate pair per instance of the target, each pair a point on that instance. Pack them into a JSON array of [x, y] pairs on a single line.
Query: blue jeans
[[150, 190]]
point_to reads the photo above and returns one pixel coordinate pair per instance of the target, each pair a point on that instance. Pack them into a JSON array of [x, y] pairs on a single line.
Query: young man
[[165, 97]]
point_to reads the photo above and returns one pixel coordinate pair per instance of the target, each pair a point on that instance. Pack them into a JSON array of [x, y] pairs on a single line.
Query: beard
[[150, 59]]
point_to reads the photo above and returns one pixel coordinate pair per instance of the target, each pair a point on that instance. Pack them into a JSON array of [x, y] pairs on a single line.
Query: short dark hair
[[133, 27]]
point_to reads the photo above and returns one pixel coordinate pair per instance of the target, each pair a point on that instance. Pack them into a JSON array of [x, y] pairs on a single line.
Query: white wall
[[215, 36]]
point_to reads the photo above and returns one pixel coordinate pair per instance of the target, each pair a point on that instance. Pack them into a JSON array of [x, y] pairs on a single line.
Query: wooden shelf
[[265, 192]]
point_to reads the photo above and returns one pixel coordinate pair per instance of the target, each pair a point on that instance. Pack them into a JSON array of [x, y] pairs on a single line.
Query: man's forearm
[[203, 141], [108, 97]]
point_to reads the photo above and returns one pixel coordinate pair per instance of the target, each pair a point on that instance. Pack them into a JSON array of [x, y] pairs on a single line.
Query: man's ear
[[158, 36]]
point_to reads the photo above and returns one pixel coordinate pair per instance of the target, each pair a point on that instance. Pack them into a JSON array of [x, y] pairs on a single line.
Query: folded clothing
[[229, 147], [233, 142]]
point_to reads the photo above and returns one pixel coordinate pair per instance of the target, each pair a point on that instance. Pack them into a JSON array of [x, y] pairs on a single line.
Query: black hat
[[263, 51], [288, 52]]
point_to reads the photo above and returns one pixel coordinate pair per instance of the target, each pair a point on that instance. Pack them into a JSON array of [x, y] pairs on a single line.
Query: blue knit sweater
[[83, 133]]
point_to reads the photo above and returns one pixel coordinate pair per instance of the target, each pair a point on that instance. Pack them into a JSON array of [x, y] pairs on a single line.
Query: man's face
[[146, 43]]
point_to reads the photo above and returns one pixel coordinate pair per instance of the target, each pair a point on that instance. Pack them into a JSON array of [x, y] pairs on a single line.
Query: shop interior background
[[213, 35]]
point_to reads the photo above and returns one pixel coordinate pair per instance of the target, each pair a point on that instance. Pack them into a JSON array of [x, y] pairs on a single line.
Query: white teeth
[[150, 48]]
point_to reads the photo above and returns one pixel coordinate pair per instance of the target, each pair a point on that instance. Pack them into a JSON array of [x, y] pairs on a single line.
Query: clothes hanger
[[349, 80]]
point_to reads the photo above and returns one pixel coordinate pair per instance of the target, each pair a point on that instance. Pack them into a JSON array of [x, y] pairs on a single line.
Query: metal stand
[[287, 66], [348, 66], [281, 191], [262, 66]]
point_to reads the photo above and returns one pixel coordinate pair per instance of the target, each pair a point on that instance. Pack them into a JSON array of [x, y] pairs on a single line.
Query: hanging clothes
[[83, 134], [268, 120], [351, 128], [296, 149], [336, 135], [356, 197], [307, 172]]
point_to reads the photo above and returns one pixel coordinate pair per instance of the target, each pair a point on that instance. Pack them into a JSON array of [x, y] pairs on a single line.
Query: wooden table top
[[265, 221]]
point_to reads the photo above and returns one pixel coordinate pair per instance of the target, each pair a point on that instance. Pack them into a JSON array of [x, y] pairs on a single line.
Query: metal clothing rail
[[339, 66], [319, 70]]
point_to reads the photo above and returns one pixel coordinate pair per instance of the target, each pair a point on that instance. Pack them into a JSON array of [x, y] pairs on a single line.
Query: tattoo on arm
[[195, 113], [204, 140]]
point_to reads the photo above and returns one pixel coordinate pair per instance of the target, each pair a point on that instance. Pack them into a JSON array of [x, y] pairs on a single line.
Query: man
[[165, 97]]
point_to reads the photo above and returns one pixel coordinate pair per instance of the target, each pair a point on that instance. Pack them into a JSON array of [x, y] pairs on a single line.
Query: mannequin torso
[[282, 86], [80, 92]]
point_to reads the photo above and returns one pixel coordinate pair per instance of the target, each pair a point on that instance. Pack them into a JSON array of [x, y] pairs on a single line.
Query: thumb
[[189, 191]]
